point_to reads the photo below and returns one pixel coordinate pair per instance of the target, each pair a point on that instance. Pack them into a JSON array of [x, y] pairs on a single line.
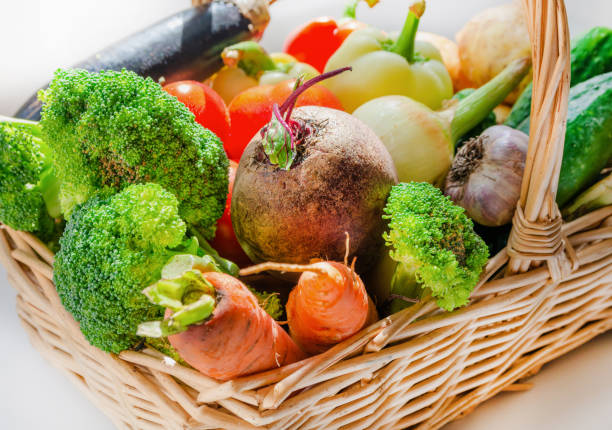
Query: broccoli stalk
[[29, 189], [115, 246], [111, 129], [192, 300], [434, 243]]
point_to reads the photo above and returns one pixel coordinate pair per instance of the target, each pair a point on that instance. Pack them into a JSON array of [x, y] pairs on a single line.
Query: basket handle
[[536, 232]]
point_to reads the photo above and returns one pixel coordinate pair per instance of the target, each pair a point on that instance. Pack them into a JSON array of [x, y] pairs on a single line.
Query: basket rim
[[578, 256]]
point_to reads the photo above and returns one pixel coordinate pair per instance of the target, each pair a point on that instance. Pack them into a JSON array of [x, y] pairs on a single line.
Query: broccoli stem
[[49, 186], [404, 45], [404, 283], [191, 298], [225, 265]]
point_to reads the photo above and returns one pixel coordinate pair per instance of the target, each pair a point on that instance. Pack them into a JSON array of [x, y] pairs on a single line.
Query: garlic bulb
[[486, 174]]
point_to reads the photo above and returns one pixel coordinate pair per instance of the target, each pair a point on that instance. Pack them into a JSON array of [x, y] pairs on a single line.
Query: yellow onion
[[422, 141], [486, 174]]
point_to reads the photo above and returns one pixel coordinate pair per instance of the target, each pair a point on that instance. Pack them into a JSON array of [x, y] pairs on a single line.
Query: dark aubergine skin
[[186, 45]]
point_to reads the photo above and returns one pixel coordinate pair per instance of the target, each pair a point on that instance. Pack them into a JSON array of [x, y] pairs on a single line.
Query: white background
[[574, 392]]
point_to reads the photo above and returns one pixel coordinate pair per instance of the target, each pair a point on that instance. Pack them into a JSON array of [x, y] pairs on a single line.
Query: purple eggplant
[[186, 45]]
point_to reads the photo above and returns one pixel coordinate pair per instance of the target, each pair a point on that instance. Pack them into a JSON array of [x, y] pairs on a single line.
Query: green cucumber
[[588, 138], [591, 55], [521, 108]]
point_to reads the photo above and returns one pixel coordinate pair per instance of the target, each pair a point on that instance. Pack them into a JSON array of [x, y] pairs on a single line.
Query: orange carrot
[[328, 305], [237, 337]]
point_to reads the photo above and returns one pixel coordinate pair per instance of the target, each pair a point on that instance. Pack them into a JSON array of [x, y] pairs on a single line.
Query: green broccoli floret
[[269, 302], [29, 198], [434, 243], [115, 246], [112, 129]]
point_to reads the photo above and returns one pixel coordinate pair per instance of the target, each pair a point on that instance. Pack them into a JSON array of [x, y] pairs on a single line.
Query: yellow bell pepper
[[383, 66], [266, 68], [286, 67], [247, 65]]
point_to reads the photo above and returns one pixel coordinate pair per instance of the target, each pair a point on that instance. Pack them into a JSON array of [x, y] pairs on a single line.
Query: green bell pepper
[[383, 66]]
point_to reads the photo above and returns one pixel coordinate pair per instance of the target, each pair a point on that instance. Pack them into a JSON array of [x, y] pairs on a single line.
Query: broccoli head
[[113, 247], [28, 187], [434, 242], [112, 129]]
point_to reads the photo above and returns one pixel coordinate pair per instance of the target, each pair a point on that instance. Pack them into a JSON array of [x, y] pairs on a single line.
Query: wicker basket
[[547, 293]]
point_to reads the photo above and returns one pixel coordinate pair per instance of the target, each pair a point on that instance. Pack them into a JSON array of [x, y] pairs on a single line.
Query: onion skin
[[417, 138], [486, 175], [490, 41]]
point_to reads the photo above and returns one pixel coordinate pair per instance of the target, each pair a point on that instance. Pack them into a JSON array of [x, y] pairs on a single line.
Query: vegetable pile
[[355, 169]]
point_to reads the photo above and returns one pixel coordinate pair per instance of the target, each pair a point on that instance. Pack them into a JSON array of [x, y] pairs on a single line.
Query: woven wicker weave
[[547, 293]]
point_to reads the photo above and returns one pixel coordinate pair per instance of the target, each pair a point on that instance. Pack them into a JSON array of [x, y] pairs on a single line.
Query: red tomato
[[314, 42], [252, 109], [225, 241], [208, 107], [346, 28], [317, 40]]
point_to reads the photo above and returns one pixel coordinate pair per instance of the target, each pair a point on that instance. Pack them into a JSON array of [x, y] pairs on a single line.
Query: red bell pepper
[[316, 41]]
